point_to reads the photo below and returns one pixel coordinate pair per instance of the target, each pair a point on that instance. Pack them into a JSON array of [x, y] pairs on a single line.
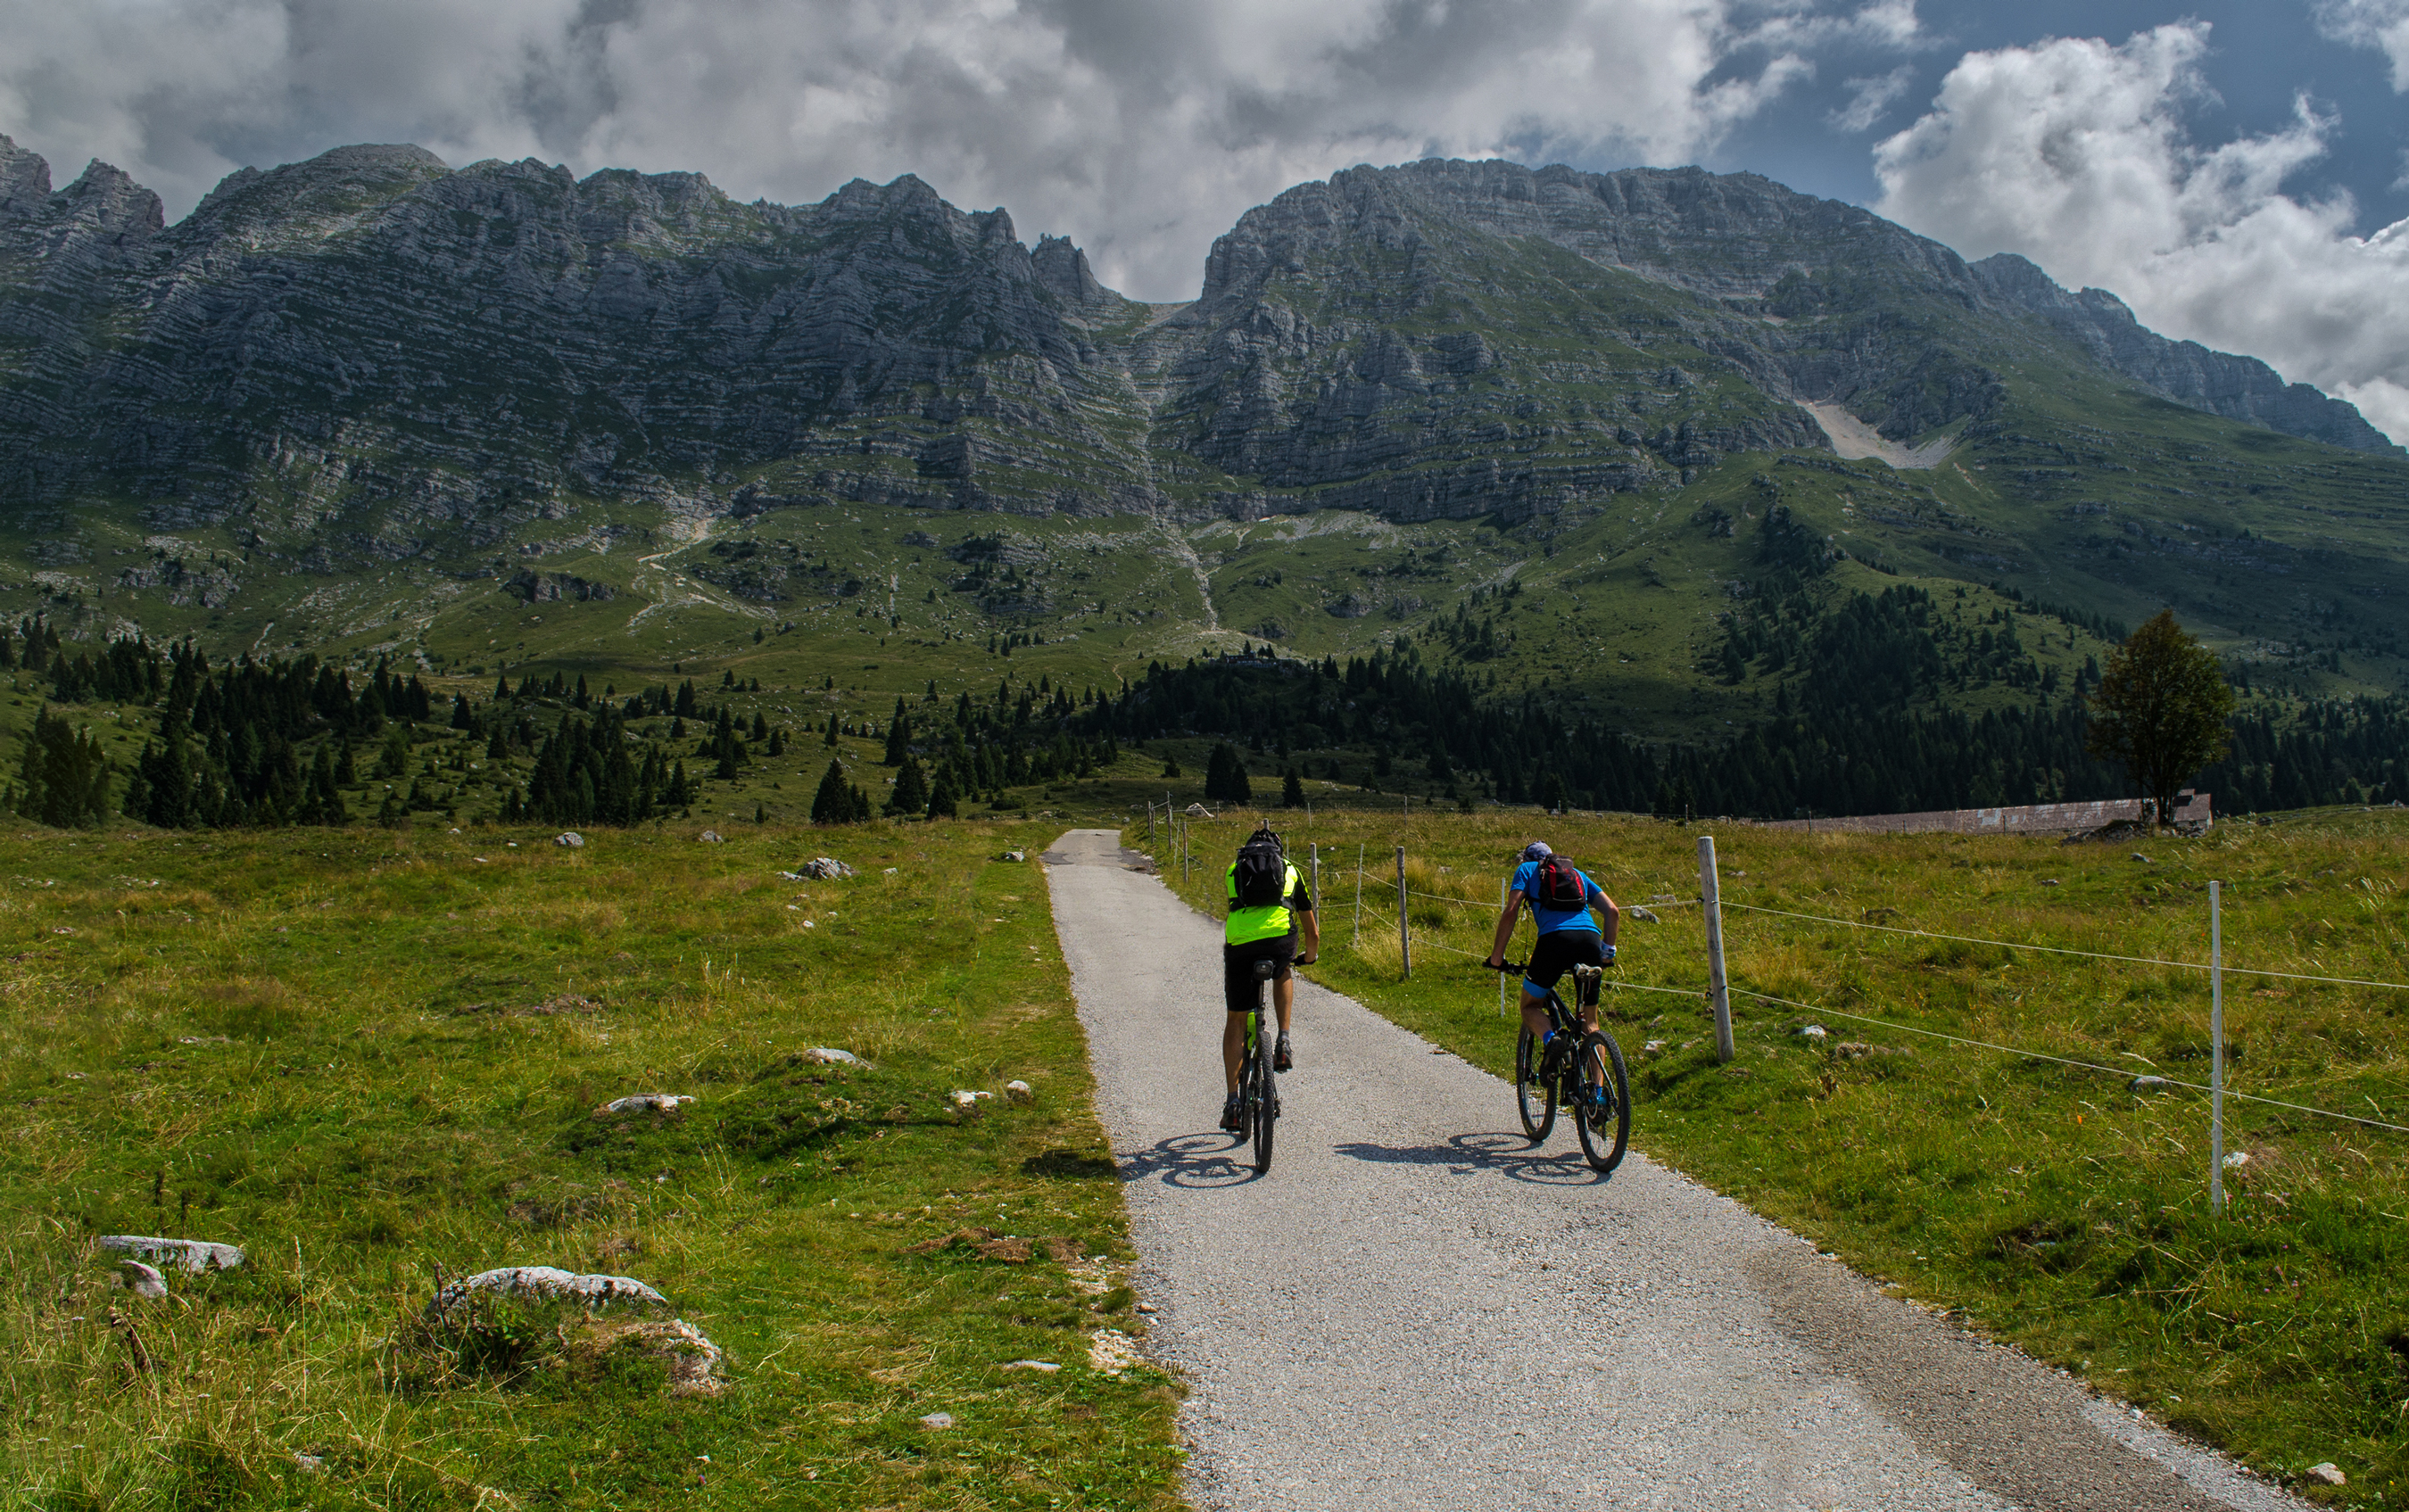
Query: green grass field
[[372, 1059], [2046, 1205]]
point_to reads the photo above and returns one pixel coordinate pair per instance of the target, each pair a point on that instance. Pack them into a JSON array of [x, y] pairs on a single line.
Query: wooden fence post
[[2216, 1049], [1717, 989]]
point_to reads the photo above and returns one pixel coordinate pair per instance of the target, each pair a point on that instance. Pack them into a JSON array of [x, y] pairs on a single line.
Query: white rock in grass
[[2150, 1084], [823, 1054], [145, 1281], [1643, 915], [1044, 1367], [1019, 1092], [311, 1462], [1013, 855], [969, 1099], [2329, 1473], [1111, 1351], [545, 1282], [193, 1255], [825, 869], [569, 838], [646, 1102], [2236, 1160], [1815, 1031], [937, 1421], [709, 837]]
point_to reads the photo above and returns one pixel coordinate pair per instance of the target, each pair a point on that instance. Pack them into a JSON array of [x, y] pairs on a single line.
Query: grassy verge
[[373, 1060], [2053, 1206]]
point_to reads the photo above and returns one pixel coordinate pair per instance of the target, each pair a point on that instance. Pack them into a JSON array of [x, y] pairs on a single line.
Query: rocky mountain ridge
[[390, 357]]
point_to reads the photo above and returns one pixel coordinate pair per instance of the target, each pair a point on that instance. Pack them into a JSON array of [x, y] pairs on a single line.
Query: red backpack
[[1557, 886]]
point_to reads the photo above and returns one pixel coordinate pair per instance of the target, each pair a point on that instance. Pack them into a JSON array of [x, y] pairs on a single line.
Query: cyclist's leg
[[1238, 999], [1549, 959]]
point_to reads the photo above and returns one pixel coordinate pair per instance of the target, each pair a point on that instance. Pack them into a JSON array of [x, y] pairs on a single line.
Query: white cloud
[[1870, 98], [2073, 153], [1141, 127], [2380, 25]]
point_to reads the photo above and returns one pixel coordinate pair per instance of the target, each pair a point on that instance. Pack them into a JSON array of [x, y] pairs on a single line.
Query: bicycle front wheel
[[1266, 1098], [1601, 1097], [1534, 1099]]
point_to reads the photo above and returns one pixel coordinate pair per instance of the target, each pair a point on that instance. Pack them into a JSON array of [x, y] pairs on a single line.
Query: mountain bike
[[1583, 1070], [1259, 1102]]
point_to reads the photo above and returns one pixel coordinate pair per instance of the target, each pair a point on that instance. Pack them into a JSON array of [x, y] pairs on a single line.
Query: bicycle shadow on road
[[1511, 1154], [1199, 1160]]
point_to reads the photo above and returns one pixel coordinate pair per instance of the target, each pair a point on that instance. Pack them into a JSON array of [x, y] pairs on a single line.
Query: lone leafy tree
[[2161, 708]]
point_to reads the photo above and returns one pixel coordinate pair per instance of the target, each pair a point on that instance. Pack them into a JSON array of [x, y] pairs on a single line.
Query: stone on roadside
[[937, 1422], [824, 869], [644, 1102], [1013, 855], [1019, 1092], [1111, 1351], [569, 838], [2150, 1084], [143, 1280], [2329, 1473], [192, 1255]]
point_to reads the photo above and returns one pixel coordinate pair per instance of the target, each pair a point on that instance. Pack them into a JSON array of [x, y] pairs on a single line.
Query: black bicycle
[[1259, 1102], [1583, 1072]]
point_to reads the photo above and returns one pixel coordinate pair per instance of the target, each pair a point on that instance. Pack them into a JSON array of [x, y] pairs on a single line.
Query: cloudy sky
[[2239, 173]]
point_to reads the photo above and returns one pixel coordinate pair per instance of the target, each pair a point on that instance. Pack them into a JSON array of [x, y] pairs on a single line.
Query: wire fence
[[1714, 904]]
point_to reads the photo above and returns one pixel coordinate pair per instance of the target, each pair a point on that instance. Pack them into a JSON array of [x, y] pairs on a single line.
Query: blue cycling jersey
[[1549, 920]]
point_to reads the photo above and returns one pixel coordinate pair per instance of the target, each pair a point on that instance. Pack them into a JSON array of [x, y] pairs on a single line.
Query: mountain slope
[[349, 404]]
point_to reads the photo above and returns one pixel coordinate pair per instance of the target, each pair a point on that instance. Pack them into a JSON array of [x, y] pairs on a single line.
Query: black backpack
[[1260, 879], [1557, 886]]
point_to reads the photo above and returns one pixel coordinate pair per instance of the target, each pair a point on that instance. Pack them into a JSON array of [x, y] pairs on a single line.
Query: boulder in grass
[[644, 1102], [2329, 1473], [1019, 1092], [2150, 1084], [937, 1422], [569, 838], [543, 1284], [709, 837], [1814, 1033], [825, 869], [192, 1255], [824, 1055], [1013, 855]]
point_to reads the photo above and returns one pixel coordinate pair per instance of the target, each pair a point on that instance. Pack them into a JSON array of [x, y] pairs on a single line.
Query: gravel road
[[1415, 1309]]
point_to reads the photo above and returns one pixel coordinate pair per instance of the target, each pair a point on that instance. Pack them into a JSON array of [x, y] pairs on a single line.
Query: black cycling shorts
[[1238, 969], [1559, 952]]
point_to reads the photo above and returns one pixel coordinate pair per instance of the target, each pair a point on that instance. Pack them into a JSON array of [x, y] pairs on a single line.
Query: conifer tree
[[1292, 790], [64, 781], [911, 794], [942, 804], [833, 803]]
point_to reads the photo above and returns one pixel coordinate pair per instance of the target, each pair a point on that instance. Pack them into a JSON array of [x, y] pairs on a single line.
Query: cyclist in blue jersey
[[1562, 900]]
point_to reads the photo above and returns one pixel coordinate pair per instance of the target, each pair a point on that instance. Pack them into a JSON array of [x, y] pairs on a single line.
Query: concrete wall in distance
[[2191, 809]]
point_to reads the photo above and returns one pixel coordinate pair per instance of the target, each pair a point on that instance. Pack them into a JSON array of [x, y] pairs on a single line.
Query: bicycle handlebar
[[1503, 966]]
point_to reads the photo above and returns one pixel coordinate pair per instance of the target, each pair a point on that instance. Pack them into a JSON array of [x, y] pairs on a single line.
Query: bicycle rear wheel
[[1601, 1099], [1536, 1100], [1266, 1113]]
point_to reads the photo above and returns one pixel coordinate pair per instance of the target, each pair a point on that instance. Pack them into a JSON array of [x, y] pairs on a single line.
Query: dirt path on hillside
[[1416, 1310]]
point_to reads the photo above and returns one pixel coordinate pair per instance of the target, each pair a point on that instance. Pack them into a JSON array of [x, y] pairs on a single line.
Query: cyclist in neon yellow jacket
[[1271, 914]]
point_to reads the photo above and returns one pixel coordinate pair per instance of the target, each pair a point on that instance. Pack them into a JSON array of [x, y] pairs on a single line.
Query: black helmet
[[1265, 831]]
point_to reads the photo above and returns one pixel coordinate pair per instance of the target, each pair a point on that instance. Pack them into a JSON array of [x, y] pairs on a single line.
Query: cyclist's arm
[[1308, 935], [1610, 916], [1506, 917]]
